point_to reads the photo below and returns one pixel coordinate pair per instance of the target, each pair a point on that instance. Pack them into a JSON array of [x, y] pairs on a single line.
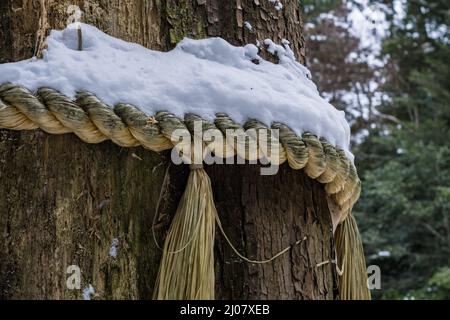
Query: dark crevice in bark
[[5, 31]]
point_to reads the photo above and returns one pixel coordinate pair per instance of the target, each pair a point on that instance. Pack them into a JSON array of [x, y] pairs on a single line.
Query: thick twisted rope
[[93, 122]]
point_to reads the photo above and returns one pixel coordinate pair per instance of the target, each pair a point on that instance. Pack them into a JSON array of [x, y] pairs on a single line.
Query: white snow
[[384, 253], [370, 25], [88, 291], [200, 76], [286, 57], [277, 4], [114, 247], [248, 25]]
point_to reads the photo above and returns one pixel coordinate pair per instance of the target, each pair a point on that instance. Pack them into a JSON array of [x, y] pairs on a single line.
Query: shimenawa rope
[[194, 223]]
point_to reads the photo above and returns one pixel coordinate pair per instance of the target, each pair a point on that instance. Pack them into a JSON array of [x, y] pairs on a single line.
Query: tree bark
[[64, 202]]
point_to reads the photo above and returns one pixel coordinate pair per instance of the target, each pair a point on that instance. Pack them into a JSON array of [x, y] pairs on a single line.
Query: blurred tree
[[401, 146], [406, 195], [339, 63], [313, 8]]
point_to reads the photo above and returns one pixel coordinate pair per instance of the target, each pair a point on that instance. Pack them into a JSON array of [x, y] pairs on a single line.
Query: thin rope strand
[[219, 224], [166, 177]]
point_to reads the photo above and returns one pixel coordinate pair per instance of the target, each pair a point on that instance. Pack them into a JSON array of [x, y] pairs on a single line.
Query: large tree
[[64, 202]]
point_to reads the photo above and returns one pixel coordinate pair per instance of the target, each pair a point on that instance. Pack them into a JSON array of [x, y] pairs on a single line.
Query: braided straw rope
[[194, 223], [93, 122]]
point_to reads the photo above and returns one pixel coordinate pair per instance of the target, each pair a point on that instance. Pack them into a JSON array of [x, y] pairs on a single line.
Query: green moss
[[201, 30], [183, 21]]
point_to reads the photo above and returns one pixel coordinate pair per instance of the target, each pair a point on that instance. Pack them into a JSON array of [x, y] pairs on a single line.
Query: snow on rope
[[93, 122], [204, 77]]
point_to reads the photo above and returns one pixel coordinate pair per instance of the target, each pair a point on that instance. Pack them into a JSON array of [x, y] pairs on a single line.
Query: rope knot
[[196, 166]]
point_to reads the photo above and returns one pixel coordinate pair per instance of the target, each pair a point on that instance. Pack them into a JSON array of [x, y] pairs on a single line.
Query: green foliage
[[440, 284], [404, 157], [437, 287], [404, 208], [405, 204]]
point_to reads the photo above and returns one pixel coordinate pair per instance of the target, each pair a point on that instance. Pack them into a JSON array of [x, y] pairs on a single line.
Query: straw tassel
[[187, 265], [351, 262]]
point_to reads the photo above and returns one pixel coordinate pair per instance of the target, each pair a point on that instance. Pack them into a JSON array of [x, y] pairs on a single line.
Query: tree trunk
[[64, 202]]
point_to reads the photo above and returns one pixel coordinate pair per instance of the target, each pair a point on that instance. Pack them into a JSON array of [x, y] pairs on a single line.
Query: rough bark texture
[[63, 202], [263, 215]]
